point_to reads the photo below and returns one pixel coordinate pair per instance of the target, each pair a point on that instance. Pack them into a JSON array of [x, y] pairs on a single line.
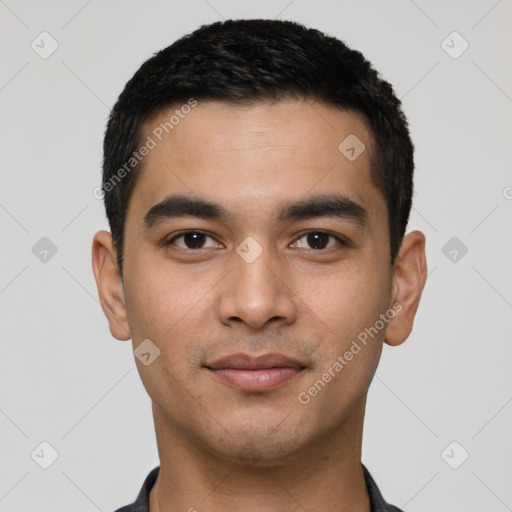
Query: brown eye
[[318, 240], [191, 240]]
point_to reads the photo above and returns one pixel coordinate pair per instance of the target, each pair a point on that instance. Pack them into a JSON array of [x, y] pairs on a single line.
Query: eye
[[191, 240], [318, 240]]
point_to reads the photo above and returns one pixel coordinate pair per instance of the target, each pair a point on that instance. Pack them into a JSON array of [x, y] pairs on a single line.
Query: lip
[[255, 373]]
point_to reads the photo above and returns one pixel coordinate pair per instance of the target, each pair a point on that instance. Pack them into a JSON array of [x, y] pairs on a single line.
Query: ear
[[110, 284], [409, 276]]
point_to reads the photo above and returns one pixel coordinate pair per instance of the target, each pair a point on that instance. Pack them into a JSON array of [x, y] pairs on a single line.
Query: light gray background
[[66, 381]]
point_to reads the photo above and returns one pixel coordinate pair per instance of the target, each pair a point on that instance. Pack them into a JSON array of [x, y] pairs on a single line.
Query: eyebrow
[[325, 205], [332, 205], [183, 206]]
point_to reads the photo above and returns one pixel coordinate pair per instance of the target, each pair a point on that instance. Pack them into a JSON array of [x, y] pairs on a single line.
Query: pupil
[[318, 239], [194, 240]]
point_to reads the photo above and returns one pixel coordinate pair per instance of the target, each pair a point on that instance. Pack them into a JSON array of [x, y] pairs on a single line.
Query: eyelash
[[338, 239]]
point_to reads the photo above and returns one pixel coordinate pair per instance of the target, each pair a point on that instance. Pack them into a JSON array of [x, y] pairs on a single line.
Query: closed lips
[[256, 374]]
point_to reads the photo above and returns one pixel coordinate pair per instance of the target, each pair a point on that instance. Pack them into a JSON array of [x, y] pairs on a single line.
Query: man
[[258, 183]]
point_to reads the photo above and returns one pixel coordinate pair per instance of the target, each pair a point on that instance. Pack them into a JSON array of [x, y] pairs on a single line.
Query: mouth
[[256, 374]]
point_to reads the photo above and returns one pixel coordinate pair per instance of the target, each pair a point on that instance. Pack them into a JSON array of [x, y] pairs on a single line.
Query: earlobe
[[110, 285], [409, 277]]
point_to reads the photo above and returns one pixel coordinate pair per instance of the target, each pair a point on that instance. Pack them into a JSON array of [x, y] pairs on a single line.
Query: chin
[[259, 453], [261, 445]]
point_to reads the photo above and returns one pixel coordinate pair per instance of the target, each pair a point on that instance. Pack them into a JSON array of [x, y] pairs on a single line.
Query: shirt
[[141, 504]]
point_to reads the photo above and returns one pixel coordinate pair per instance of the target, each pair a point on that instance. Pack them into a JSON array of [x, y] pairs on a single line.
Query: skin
[[223, 449]]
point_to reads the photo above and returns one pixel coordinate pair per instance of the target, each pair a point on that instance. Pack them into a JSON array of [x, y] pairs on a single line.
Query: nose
[[256, 293]]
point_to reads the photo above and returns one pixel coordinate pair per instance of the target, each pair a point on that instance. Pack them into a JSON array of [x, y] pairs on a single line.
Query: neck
[[326, 475]]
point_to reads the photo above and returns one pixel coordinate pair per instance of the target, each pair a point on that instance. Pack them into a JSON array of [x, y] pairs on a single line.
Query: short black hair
[[249, 61]]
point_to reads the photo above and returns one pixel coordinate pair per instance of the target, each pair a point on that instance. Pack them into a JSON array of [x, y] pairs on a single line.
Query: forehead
[[250, 158]]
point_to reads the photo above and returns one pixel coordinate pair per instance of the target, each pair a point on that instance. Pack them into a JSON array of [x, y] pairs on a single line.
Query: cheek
[[156, 300], [165, 308], [169, 305], [349, 304], [347, 301]]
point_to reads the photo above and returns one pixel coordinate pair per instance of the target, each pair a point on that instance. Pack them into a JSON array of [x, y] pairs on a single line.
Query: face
[[255, 256]]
